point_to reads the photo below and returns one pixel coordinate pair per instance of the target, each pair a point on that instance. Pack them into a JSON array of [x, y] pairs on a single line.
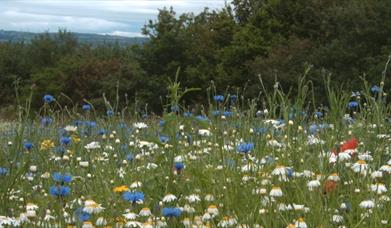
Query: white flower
[[31, 207], [204, 132], [133, 224], [33, 168], [145, 212], [169, 198], [312, 140], [140, 125], [377, 174], [31, 214], [92, 207], [344, 156], [275, 143], [206, 217], [276, 192], [209, 197], [227, 222], [136, 184], [130, 215], [84, 164], [101, 221], [313, 184], [260, 191], [193, 198], [333, 177], [378, 188], [385, 168], [189, 209], [367, 204], [151, 166], [360, 167], [92, 145], [213, 210], [300, 223], [178, 158], [281, 171], [337, 219], [365, 157], [70, 128]]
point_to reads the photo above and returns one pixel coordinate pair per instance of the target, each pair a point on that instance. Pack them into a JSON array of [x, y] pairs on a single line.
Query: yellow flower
[[47, 144], [75, 138], [120, 189]]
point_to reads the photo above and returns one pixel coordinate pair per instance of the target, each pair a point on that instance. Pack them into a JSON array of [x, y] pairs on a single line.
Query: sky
[[114, 17]]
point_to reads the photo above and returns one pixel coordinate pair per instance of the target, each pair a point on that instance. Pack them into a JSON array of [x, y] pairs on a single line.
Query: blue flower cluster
[[60, 190], [3, 171], [219, 98], [61, 178], [245, 147], [171, 212], [133, 197]]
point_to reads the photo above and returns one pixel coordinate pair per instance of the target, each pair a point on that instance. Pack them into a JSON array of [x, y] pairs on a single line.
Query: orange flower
[[329, 186], [120, 189]]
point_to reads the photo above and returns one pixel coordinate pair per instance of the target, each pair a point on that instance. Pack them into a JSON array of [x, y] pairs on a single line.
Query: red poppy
[[349, 145]]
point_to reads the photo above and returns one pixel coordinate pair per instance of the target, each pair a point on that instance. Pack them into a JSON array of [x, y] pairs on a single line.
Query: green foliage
[[233, 47]]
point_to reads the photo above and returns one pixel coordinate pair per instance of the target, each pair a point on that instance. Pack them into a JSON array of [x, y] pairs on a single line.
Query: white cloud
[[94, 16], [123, 33]]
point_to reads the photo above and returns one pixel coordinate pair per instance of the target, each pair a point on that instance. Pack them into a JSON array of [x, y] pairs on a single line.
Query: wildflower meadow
[[277, 160]]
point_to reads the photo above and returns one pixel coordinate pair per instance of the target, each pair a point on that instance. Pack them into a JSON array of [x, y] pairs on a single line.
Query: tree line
[[276, 40]]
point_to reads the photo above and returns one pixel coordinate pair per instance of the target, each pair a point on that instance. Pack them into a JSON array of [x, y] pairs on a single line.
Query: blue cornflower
[[45, 121], [101, 132], [78, 122], [65, 140], [133, 197], [233, 98], [216, 113], [202, 118], [187, 114], [352, 104], [163, 139], [90, 124], [162, 123], [245, 147], [179, 166], [219, 98], [375, 89], [109, 113], [171, 212], [318, 114], [129, 157], [82, 215], [228, 113], [28, 145], [48, 98], [60, 190], [86, 107], [313, 129], [3, 171], [290, 172], [59, 177]]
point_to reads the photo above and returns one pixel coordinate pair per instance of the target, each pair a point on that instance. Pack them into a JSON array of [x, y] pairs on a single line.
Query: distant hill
[[94, 39]]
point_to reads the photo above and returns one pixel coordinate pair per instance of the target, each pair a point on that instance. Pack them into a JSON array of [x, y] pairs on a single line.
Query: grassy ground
[[285, 165]]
